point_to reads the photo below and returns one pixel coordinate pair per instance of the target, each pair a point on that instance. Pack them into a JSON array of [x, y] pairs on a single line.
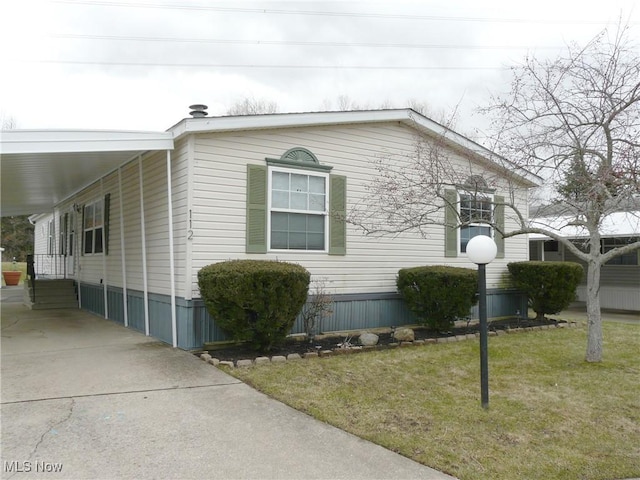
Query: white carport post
[[143, 237], [122, 250], [174, 327], [104, 253]]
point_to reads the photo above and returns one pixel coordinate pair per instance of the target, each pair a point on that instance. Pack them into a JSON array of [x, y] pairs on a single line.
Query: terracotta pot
[[11, 278]]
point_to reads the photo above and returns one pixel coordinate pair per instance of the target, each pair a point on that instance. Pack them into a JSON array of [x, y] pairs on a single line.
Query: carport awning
[[40, 168]]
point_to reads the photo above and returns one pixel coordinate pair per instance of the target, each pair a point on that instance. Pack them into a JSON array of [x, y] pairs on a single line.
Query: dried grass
[[551, 414]]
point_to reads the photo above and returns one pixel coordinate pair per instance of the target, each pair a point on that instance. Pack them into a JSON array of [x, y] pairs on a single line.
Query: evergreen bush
[[438, 295], [254, 300], [550, 286]]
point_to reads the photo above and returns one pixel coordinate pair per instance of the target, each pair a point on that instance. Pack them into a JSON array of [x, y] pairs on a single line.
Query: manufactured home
[[130, 217]]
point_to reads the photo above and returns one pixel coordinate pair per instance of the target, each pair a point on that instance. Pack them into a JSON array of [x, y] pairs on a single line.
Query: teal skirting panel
[[195, 327], [160, 317], [115, 302], [135, 310], [92, 298], [362, 311], [159, 309], [503, 303]]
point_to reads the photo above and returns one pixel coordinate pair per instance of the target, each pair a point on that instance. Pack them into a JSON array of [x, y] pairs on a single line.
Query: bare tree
[[7, 122], [573, 121], [319, 306], [253, 106]]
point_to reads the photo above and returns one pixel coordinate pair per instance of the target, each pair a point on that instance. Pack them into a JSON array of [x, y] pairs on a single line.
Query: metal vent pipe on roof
[[198, 111]]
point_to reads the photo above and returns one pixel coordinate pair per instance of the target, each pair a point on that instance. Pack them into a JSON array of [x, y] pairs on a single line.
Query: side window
[[630, 258], [92, 227], [474, 211], [466, 214]]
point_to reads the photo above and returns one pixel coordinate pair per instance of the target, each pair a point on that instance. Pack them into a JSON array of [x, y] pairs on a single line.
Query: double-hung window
[[475, 210], [93, 224], [294, 203], [298, 209]]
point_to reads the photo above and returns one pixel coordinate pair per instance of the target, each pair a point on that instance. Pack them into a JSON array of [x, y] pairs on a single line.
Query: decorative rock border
[[346, 351]]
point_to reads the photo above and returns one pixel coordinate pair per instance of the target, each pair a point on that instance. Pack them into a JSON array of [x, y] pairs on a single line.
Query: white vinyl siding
[[215, 229], [371, 263]]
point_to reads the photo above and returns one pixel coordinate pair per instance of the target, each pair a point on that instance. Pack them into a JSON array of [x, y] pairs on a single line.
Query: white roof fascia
[[289, 120], [79, 141]]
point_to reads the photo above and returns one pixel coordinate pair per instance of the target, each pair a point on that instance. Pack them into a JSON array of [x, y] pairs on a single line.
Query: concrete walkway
[[87, 398], [580, 314]]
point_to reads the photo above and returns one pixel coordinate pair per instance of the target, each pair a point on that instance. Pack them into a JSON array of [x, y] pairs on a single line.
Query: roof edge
[[406, 116], [77, 141]]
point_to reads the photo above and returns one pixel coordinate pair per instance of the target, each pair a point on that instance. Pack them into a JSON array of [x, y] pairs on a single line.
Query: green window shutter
[[256, 237], [337, 215], [499, 221], [451, 224], [106, 211]]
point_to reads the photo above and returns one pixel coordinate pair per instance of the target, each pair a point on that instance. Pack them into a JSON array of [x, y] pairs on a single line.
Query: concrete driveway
[[83, 397]]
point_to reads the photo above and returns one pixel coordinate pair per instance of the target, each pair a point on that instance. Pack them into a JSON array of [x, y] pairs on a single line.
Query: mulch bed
[[235, 352]]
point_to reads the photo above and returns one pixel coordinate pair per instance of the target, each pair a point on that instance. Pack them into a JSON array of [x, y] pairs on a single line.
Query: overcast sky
[[138, 65]]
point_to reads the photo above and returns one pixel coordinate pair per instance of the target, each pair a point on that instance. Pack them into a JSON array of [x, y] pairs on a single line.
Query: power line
[[256, 66], [272, 11], [299, 43]]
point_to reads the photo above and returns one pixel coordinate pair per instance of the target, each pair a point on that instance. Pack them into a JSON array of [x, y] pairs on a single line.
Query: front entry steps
[[50, 294]]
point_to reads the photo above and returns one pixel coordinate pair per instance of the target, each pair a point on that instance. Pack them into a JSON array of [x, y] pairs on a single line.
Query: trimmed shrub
[[550, 286], [438, 295], [254, 300]]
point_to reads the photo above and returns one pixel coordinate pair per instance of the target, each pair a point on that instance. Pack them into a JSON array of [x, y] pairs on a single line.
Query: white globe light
[[482, 249]]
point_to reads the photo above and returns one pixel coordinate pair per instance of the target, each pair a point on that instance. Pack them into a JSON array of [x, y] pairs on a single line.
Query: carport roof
[[40, 168]]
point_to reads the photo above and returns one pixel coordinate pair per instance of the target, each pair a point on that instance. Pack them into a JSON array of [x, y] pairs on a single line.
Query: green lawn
[[22, 266], [551, 415]]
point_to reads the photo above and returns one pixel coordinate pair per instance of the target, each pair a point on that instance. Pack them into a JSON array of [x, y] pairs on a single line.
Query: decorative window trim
[[452, 225], [258, 201], [475, 184], [300, 158]]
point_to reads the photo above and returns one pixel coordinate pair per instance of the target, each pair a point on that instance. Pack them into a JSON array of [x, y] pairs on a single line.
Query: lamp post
[[482, 250]]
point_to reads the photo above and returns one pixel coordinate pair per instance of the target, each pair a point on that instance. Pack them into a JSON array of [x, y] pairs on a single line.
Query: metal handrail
[[49, 266]]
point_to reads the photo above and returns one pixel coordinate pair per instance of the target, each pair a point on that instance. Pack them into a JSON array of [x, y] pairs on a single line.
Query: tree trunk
[[594, 335]]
